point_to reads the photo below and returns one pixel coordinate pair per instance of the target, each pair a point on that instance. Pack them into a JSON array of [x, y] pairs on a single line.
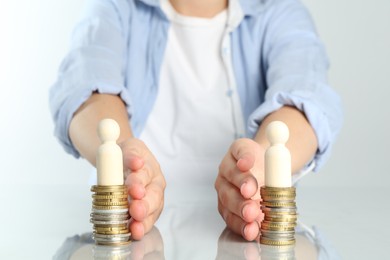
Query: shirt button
[[229, 93]]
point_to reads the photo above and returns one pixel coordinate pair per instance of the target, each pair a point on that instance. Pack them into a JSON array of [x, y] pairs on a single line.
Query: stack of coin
[[110, 215], [280, 216]]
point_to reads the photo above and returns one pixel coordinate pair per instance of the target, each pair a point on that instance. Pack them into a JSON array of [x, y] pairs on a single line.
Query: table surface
[[335, 223]]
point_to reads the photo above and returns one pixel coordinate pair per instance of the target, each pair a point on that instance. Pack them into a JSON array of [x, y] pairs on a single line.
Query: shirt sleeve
[[95, 62], [296, 67]]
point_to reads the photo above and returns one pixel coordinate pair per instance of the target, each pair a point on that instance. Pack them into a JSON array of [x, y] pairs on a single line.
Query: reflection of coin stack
[[280, 216], [278, 197], [277, 253], [110, 215], [111, 252]]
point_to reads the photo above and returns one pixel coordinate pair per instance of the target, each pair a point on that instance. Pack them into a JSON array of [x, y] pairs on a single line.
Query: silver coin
[[277, 232], [108, 222], [282, 237], [284, 209], [107, 211], [110, 215], [111, 236], [111, 240], [115, 238]]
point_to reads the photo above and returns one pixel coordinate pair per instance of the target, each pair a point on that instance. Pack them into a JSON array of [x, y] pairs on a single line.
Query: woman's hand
[[241, 173], [146, 185]]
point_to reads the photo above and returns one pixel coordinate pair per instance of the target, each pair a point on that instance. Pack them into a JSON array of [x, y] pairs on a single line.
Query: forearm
[[83, 127], [302, 142]]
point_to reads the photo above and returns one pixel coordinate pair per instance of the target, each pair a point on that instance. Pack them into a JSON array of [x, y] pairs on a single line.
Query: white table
[[42, 221]]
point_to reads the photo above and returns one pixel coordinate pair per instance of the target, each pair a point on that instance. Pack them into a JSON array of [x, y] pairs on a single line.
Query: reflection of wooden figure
[[109, 162], [277, 157]]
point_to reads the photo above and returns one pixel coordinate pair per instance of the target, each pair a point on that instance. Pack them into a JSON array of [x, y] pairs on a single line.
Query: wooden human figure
[[277, 156], [109, 160]]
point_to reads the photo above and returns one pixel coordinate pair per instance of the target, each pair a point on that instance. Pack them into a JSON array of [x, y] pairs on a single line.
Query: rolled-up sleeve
[[95, 62], [296, 74]]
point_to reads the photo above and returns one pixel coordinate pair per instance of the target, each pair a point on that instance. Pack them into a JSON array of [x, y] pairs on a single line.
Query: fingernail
[[243, 187], [244, 211], [245, 231]]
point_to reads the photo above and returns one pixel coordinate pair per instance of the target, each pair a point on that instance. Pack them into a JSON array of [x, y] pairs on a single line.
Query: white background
[[35, 37]]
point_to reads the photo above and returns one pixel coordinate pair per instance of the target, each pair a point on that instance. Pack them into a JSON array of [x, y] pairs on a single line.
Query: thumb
[[134, 151], [243, 150]]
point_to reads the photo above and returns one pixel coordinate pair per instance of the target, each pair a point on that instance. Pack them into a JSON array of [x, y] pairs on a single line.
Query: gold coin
[[113, 243], [281, 191], [281, 219], [280, 198], [276, 189], [109, 207], [109, 197], [116, 194], [109, 203], [112, 199], [273, 195], [278, 193], [108, 229], [279, 224], [100, 229], [112, 232], [278, 204], [111, 188], [284, 210], [277, 228], [111, 192], [280, 213], [271, 242]]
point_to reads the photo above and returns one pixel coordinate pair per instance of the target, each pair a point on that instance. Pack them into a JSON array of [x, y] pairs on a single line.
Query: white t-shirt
[[192, 123]]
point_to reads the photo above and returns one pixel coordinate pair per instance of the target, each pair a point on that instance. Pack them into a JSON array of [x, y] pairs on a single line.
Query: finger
[[230, 197], [134, 153], [244, 152], [137, 182], [153, 200], [248, 231], [133, 162], [138, 229], [245, 182]]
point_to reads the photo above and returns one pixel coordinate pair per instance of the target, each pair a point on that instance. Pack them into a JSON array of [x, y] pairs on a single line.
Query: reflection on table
[[190, 227], [310, 244]]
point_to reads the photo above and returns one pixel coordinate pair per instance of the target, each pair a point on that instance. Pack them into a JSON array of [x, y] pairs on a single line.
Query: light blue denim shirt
[[276, 55]]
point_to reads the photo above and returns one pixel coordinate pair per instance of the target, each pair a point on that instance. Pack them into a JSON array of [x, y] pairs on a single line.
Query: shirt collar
[[253, 7], [151, 2], [237, 9], [249, 7]]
